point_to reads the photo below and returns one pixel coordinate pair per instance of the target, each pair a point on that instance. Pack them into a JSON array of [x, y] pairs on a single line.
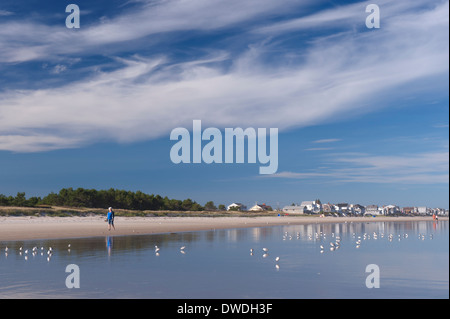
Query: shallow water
[[412, 258]]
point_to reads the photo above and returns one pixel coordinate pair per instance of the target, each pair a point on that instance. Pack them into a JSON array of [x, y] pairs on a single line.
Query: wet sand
[[28, 228]]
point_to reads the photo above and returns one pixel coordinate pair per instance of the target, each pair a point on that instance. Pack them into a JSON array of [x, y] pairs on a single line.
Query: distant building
[[422, 210], [438, 211], [311, 207], [358, 209], [260, 208], [256, 208], [328, 208], [409, 210], [373, 210], [391, 210], [342, 208], [237, 206], [294, 209]]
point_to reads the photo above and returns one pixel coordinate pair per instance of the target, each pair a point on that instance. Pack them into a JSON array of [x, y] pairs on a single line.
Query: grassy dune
[[55, 211]]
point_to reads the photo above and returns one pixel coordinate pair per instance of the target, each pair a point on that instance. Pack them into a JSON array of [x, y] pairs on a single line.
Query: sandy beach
[[28, 228]]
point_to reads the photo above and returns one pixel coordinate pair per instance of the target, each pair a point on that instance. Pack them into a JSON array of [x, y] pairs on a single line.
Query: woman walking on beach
[[110, 219]]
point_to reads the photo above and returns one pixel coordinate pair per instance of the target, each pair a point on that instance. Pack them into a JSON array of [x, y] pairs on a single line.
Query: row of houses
[[316, 207], [313, 207]]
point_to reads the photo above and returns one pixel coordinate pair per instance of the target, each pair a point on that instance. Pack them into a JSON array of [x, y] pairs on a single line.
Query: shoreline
[[34, 228]]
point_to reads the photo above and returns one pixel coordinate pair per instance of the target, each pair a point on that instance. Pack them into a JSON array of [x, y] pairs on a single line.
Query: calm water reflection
[[412, 258]]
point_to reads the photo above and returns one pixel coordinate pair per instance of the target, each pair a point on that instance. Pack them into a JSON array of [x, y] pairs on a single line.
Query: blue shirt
[[110, 215]]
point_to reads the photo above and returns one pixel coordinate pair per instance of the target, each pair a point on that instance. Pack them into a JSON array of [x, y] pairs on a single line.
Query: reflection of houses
[[311, 207], [260, 208], [237, 206], [294, 209]]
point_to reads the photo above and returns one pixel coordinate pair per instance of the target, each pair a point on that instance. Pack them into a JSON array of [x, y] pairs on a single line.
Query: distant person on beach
[[110, 219]]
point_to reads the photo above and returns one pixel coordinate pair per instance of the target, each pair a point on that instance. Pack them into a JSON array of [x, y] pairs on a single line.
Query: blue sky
[[362, 113]]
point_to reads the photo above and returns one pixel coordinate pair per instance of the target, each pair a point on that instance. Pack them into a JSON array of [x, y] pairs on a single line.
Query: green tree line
[[92, 198]]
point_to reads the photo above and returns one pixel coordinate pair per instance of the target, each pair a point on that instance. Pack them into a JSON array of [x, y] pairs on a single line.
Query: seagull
[[6, 249], [277, 259], [156, 250], [68, 246], [265, 249], [321, 246], [182, 248]]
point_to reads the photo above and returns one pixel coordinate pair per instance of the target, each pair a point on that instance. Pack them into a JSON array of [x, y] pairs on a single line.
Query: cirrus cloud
[[145, 96]]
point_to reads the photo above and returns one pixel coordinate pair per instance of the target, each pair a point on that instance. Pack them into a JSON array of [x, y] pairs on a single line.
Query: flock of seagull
[[35, 251], [336, 242], [49, 251], [318, 236]]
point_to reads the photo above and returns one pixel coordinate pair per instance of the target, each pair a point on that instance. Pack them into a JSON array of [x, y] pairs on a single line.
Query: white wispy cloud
[[146, 97], [37, 142], [319, 148], [5, 13], [28, 40], [417, 168], [327, 140]]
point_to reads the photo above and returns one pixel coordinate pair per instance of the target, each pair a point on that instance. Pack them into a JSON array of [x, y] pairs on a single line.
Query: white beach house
[[294, 209], [237, 206]]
